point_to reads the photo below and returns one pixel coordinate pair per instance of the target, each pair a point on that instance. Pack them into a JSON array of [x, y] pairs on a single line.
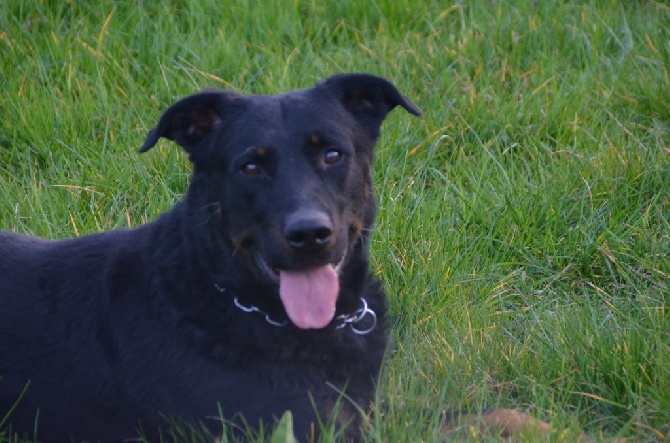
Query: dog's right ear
[[190, 120], [368, 98]]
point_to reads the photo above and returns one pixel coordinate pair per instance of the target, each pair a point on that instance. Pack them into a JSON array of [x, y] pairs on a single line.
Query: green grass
[[524, 223]]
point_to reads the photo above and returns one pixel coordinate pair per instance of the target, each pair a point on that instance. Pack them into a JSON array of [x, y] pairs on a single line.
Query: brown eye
[[332, 156], [251, 168]]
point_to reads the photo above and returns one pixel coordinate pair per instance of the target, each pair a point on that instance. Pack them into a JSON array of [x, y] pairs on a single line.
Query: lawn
[[524, 222]]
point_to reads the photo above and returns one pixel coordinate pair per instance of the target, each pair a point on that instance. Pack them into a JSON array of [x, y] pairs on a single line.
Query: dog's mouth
[[309, 295]]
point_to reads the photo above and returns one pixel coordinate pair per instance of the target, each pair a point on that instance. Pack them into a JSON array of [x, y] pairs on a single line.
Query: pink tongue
[[309, 296]]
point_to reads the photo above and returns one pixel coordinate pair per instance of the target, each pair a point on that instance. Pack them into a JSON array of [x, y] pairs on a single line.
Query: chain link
[[344, 320]]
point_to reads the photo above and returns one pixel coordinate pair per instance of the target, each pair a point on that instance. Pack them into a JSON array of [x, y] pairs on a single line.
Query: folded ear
[[190, 120], [369, 98]]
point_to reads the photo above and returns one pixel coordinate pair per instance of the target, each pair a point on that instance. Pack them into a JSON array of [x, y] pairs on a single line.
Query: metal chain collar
[[343, 320]]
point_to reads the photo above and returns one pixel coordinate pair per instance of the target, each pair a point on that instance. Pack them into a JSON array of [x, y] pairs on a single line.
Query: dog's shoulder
[[10, 241], [16, 250]]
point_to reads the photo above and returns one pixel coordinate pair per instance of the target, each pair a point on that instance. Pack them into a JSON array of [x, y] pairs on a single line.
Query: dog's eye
[[251, 168], [332, 156]]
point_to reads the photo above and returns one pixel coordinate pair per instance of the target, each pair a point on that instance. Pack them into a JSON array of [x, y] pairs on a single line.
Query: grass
[[524, 224]]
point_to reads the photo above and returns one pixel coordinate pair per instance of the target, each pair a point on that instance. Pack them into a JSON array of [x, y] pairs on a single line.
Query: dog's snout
[[308, 230]]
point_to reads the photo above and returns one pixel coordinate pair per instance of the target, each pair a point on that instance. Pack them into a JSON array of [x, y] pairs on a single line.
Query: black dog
[[251, 297]]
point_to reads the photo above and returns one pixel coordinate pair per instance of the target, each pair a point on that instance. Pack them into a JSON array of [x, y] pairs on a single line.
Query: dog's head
[[284, 181]]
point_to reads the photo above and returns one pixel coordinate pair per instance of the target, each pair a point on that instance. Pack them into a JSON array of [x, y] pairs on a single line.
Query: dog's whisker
[[211, 214]]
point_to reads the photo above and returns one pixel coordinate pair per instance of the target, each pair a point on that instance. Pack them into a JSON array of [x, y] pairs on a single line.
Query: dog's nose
[[308, 230]]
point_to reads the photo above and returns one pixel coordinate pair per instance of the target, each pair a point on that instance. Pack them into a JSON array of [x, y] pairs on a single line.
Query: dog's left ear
[[190, 120], [369, 98]]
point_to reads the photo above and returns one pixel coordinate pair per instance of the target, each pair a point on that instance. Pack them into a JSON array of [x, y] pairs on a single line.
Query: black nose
[[308, 230]]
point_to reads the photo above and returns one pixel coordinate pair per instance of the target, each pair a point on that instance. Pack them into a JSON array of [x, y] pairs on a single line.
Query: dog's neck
[[361, 322]]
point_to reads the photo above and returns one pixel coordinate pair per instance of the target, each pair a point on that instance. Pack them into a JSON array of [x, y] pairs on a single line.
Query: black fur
[[110, 333]]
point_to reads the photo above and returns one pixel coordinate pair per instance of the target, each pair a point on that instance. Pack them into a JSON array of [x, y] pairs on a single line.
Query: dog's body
[[251, 297], [105, 333]]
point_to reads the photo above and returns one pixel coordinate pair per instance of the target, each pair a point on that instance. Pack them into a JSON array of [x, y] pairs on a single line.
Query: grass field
[[524, 223]]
